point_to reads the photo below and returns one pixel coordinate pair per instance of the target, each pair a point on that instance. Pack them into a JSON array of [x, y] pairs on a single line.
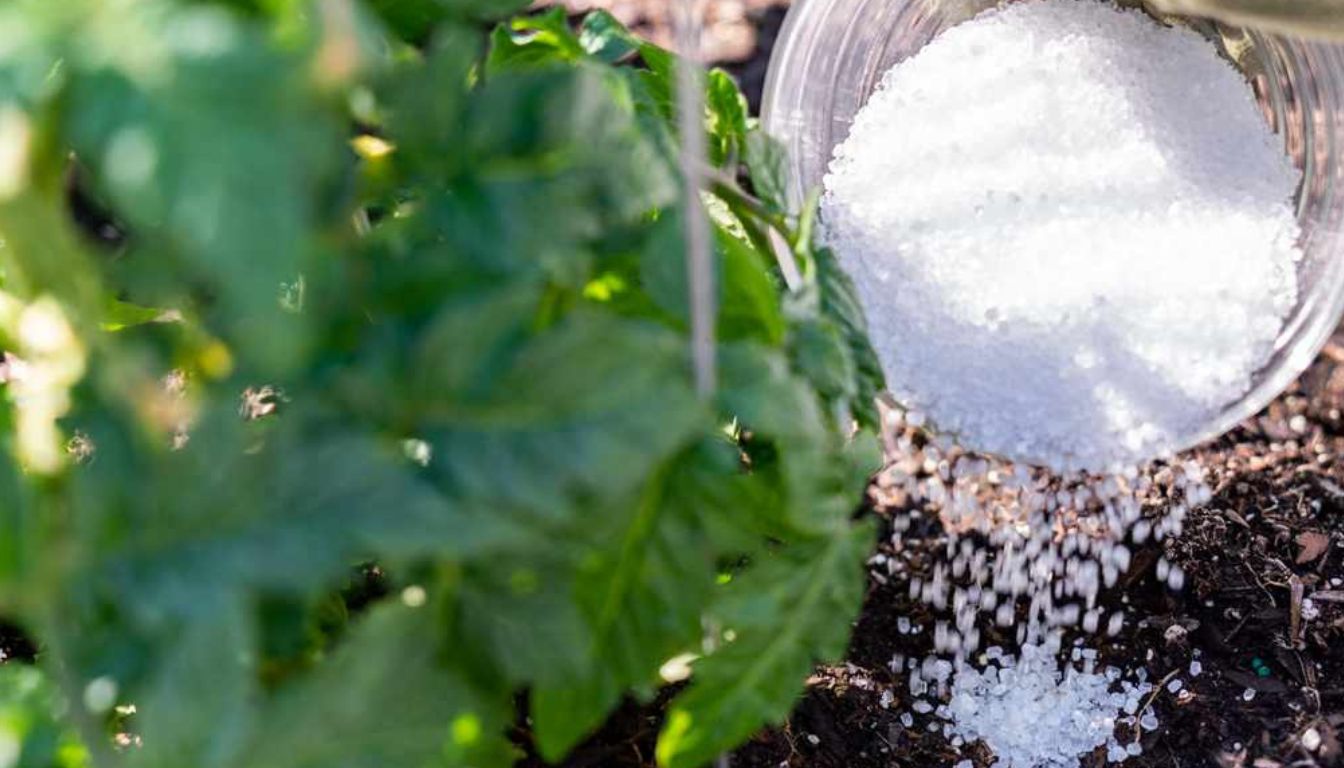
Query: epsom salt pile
[[1072, 231], [1074, 237], [1026, 556]]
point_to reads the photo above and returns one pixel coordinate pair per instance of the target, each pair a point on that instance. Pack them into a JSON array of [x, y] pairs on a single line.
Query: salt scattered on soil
[[1035, 715], [1059, 265], [1071, 229], [1031, 551]]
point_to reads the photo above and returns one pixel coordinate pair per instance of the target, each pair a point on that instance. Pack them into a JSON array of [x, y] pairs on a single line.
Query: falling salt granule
[[1196, 668], [1248, 694], [1309, 610], [1058, 260], [1311, 740]]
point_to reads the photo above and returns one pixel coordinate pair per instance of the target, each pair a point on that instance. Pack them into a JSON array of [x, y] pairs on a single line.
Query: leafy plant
[[470, 459]]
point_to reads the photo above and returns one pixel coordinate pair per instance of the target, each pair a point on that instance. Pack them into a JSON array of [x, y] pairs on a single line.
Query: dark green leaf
[[545, 38], [427, 101], [32, 711], [727, 110], [385, 698], [821, 353], [210, 653], [785, 614], [215, 167], [748, 297], [483, 10], [606, 38], [570, 419], [19, 542], [840, 302], [294, 518], [641, 585], [767, 161]]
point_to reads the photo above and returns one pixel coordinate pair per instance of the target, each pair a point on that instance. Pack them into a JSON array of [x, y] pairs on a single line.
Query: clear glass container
[[831, 55]]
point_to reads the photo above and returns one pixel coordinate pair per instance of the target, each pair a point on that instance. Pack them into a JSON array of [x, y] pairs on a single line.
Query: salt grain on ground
[[1072, 231]]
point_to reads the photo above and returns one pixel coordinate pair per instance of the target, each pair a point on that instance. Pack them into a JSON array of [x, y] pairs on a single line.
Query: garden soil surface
[[1261, 609]]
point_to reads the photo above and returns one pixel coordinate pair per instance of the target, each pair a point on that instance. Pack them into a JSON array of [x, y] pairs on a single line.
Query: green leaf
[[120, 315], [213, 156], [560, 161], [483, 10], [840, 303], [821, 353], [427, 101], [545, 38], [749, 292], [416, 20], [518, 620], [785, 614], [471, 338], [564, 715], [767, 162], [210, 653], [391, 699], [292, 518], [760, 390], [19, 530], [643, 577], [748, 296], [411, 20], [818, 483], [570, 418], [727, 116], [607, 39], [31, 718]]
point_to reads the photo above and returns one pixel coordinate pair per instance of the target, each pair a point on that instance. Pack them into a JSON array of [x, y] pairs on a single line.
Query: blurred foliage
[[292, 287]]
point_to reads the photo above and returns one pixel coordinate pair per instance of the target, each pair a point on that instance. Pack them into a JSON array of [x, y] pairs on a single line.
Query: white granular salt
[[1033, 714], [1072, 231]]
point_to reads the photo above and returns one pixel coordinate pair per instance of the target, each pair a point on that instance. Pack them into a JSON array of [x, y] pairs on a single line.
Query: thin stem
[[738, 197], [782, 244], [699, 265]]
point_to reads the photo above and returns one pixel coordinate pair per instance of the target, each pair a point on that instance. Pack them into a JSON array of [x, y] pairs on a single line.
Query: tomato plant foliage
[[435, 256]]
